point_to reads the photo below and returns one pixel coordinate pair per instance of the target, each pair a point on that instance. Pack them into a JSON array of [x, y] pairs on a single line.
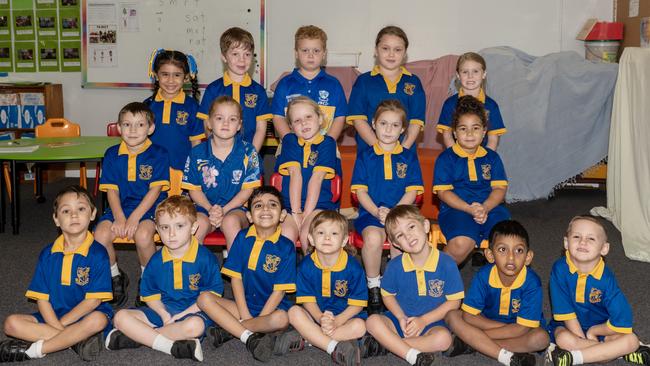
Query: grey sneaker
[[346, 354], [117, 340], [189, 348], [261, 346], [89, 348], [288, 341]]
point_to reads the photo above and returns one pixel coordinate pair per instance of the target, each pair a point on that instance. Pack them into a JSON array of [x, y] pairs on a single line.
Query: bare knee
[[95, 321], [358, 327], [373, 323], [231, 223], [631, 343], [295, 313], [441, 338], [372, 240], [454, 317], [205, 299], [459, 248], [12, 324], [538, 339], [193, 327], [103, 233], [279, 319], [144, 238], [120, 318], [565, 339]]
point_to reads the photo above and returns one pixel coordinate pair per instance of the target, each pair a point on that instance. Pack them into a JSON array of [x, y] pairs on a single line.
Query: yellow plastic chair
[[61, 127]]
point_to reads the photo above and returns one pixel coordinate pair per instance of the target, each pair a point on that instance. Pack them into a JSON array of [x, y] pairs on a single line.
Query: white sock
[[244, 336], [163, 344], [374, 281], [577, 357], [114, 270], [35, 350], [504, 356], [331, 346], [141, 269], [412, 356]]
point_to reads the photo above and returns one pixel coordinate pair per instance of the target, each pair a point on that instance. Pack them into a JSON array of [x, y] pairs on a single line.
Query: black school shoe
[[89, 348], [522, 359], [288, 341], [346, 353], [424, 359], [189, 348], [260, 345], [375, 304], [116, 340], [120, 284], [458, 347], [13, 350], [218, 336], [138, 301], [558, 356], [369, 347], [639, 357]]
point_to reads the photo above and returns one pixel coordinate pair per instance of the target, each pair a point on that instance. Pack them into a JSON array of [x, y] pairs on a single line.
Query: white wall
[[436, 28]]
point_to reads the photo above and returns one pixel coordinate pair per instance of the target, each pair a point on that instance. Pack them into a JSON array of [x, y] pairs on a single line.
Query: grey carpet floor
[[545, 220]]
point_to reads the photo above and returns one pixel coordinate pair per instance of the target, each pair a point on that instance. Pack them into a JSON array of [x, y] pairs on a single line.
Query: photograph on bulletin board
[[25, 56], [69, 23], [6, 57], [70, 3], [70, 56], [48, 56], [47, 24], [45, 4], [4, 4], [4, 25], [23, 22]]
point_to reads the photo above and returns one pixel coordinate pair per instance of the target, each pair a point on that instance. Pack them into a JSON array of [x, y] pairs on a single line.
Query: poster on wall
[[48, 56], [130, 17], [25, 56], [23, 24], [102, 45], [69, 23], [46, 24], [6, 57], [4, 25], [70, 56]]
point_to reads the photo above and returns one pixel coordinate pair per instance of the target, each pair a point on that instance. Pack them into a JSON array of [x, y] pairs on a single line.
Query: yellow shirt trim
[[429, 266], [259, 243], [596, 272], [390, 85], [68, 257], [471, 165], [471, 310], [131, 168], [189, 256], [304, 299], [235, 85], [167, 104], [326, 272], [624, 330], [563, 317]]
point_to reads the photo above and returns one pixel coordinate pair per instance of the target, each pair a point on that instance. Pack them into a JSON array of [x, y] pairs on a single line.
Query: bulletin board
[[119, 36]]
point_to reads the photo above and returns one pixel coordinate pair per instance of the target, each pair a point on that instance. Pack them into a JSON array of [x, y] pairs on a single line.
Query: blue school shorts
[[154, 318], [364, 220], [108, 214], [389, 315], [455, 223]]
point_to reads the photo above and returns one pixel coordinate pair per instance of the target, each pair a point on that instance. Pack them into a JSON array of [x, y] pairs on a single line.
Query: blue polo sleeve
[[285, 279], [454, 288], [209, 95], [474, 302], [446, 114], [279, 102], [443, 178], [290, 154], [358, 286], [109, 178], [192, 177], [237, 258], [414, 180], [38, 288], [417, 104], [339, 102], [100, 285], [495, 121], [326, 161], [262, 108], [390, 279], [620, 312], [358, 105], [161, 166], [498, 174], [211, 278], [305, 289], [360, 174], [562, 300], [149, 288], [194, 127], [252, 168], [532, 296]]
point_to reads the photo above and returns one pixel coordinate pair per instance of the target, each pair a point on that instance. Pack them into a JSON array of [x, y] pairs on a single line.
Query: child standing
[[221, 173], [309, 160], [470, 182], [592, 320], [331, 290], [385, 175], [262, 268], [175, 112], [502, 312], [419, 288], [135, 178], [237, 48], [71, 283], [471, 73], [172, 281], [311, 80], [389, 79]]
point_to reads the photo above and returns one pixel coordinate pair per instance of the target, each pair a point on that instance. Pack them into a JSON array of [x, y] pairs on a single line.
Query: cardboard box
[[9, 111], [593, 30]]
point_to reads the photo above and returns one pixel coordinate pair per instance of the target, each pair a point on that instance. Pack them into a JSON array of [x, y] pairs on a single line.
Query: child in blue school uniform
[[471, 73], [592, 320], [177, 128], [389, 79], [262, 268], [71, 285], [331, 289], [171, 322], [311, 80], [237, 48], [135, 178], [419, 288], [501, 314], [308, 162], [470, 182], [221, 173], [384, 176]]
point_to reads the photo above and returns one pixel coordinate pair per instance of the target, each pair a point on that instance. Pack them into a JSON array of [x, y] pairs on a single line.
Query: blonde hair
[[402, 212], [305, 100], [590, 218], [177, 205], [334, 217], [310, 32], [235, 37], [392, 105], [470, 56]]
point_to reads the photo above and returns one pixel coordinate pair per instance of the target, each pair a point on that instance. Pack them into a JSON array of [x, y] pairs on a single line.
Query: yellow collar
[[379, 151], [252, 232], [179, 98], [59, 247], [481, 95], [189, 256], [124, 150], [480, 152], [315, 141], [377, 71], [596, 272], [228, 81], [430, 265], [495, 281], [340, 264]]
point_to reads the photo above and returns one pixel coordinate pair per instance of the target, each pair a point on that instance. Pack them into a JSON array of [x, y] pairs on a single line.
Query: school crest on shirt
[[323, 97], [181, 118], [313, 156], [236, 176], [271, 263], [83, 276], [436, 288], [146, 172], [401, 169], [194, 281], [409, 88], [486, 171], [341, 288], [516, 305], [595, 295], [250, 100]]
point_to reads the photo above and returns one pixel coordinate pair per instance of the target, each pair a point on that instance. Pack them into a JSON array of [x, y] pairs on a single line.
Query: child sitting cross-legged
[[501, 315], [172, 280]]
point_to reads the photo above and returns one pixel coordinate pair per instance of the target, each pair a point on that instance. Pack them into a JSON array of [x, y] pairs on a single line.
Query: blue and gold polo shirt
[[177, 282], [220, 180], [263, 266], [495, 121], [324, 89], [421, 290], [67, 278], [593, 298], [386, 175], [311, 156], [519, 303], [133, 175], [332, 288], [251, 96], [371, 88], [176, 126], [471, 177]]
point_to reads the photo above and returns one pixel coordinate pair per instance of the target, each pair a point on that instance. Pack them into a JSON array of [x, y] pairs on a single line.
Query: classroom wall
[[443, 25]]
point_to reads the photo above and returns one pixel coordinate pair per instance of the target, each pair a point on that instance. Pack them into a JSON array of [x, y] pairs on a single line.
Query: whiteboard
[[119, 36]]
